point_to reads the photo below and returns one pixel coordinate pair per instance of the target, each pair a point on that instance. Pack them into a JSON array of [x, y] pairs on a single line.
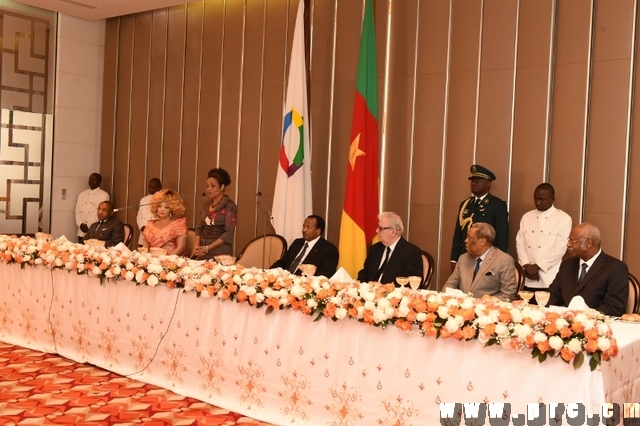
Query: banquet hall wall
[[535, 90]]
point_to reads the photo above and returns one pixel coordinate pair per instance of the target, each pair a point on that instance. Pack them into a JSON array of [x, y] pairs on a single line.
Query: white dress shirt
[[87, 207], [542, 240]]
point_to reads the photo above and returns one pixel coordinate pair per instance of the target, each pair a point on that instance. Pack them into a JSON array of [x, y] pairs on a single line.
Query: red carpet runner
[[44, 389]]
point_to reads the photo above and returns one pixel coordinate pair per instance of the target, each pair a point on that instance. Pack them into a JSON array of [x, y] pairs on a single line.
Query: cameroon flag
[[360, 211]]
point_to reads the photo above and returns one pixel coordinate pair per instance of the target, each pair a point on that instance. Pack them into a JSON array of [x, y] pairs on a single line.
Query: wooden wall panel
[[534, 89]]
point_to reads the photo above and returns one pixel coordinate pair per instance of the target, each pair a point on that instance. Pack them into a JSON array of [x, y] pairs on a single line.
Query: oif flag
[[360, 211], [292, 196]]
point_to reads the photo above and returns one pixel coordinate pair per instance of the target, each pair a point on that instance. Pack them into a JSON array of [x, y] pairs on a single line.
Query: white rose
[[237, 279], [379, 316], [452, 325], [129, 276], [248, 290], [390, 312], [139, 276], [368, 296], [38, 261], [467, 303], [117, 270], [561, 323], [31, 249], [312, 303], [383, 304], [434, 298], [502, 330], [152, 281], [483, 321], [482, 338], [360, 310], [539, 337], [479, 309], [369, 305], [259, 298], [522, 331], [556, 343], [128, 266], [50, 258], [603, 329], [574, 345], [154, 268], [109, 274], [443, 312], [96, 271], [516, 315], [171, 276], [80, 258], [403, 310], [80, 267], [452, 302], [352, 292], [506, 344], [581, 317], [297, 291], [604, 343], [422, 317], [336, 300], [341, 313], [537, 316], [69, 265]]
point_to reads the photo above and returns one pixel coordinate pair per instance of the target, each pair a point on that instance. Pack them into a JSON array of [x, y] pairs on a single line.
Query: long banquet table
[[286, 368]]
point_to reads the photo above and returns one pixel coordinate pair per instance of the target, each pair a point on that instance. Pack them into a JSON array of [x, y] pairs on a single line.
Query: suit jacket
[[405, 261], [496, 275], [493, 211], [605, 287], [111, 231], [324, 255]]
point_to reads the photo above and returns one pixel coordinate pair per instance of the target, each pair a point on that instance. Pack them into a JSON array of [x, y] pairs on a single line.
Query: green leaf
[[578, 360], [269, 310], [595, 360], [318, 317]]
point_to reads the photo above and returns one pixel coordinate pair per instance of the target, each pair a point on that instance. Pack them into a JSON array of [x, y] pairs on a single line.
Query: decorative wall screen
[[26, 122]]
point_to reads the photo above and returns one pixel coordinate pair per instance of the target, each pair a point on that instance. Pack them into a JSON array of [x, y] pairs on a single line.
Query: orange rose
[[171, 284], [329, 310], [468, 314], [577, 327], [468, 332], [418, 305], [591, 346], [242, 296], [199, 287], [565, 332], [566, 354], [490, 329], [273, 302], [429, 329], [544, 346], [591, 334], [411, 316], [403, 325], [551, 329]]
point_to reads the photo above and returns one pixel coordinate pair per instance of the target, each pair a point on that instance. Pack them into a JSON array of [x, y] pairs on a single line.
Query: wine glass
[[525, 295], [403, 281], [308, 269], [542, 297], [414, 282]]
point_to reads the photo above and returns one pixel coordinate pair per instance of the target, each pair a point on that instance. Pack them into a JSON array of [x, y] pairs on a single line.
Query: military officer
[[480, 207]]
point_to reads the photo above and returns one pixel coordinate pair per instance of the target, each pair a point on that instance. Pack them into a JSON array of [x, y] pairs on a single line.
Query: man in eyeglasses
[[107, 228], [601, 280], [392, 256]]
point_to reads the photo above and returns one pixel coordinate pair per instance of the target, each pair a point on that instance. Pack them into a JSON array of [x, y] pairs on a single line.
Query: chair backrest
[[191, 242], [128, 234], [428, 266], [633, 303], [262, 251], [519, 276]]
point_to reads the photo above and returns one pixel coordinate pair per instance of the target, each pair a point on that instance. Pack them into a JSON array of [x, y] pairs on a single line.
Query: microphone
[[202, 194]]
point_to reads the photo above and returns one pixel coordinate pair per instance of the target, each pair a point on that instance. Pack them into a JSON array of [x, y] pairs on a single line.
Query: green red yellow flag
[[360, 211]]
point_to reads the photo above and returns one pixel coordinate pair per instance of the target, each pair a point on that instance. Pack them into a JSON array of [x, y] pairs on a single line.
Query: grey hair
[[395, 221], [484, 230], [589, 230]]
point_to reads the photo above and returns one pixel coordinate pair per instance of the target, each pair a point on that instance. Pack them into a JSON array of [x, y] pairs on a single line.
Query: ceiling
[[93, 10]]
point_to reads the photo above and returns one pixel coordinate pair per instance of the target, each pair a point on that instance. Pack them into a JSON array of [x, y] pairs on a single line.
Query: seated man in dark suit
[[312, 248], [393, 256], [107, 228], [601, 280], [484, 269]]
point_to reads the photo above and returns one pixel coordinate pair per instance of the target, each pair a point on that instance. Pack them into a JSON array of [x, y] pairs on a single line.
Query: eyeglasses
[[382, 228], [576, 240]]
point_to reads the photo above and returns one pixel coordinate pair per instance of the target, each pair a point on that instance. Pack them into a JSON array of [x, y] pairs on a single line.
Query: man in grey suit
[[484, 269]]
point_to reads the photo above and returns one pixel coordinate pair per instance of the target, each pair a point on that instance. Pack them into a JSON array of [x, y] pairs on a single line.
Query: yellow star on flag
[[355, 152]]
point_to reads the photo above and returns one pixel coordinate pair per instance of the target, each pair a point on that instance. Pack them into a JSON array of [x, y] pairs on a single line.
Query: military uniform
[[491, 210]]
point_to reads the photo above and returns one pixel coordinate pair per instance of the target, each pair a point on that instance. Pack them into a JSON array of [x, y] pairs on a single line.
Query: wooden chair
[[428, 266], [519, 276], [191, 242], [633, 303], [262, 251], [128, 234]]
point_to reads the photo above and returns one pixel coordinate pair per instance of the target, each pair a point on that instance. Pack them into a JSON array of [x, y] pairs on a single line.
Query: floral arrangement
[[569, 335]]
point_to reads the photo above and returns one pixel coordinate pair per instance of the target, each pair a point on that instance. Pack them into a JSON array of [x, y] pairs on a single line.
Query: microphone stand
[[266, 213]]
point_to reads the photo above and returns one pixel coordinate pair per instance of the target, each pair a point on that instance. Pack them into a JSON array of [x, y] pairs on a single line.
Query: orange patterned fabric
[[44, 389]]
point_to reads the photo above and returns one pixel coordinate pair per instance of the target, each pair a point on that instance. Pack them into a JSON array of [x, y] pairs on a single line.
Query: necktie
[[475, 270], [296, 261], [477, 203], [384, 263], [583, 272]]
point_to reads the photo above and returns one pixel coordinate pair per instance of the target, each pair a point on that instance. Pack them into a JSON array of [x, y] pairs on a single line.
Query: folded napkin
[[122, 247], [578, 304], [454, 291], [341, 275], [62, 239]]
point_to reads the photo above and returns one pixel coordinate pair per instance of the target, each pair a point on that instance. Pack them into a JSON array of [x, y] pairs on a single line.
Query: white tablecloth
[[284, 368]]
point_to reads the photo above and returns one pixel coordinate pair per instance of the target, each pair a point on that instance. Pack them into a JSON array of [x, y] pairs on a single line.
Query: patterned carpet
[[44, 389]]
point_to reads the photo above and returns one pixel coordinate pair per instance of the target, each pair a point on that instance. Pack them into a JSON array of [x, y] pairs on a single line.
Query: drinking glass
[[414, 282], [525, 295], [542, 297], [307, 269], [225, 259], [403, 281]]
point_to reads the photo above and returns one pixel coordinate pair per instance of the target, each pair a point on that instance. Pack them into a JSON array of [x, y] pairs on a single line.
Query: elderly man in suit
[[484, 269], [312, 248], [393, 256], [601, 280], [107, 228]]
